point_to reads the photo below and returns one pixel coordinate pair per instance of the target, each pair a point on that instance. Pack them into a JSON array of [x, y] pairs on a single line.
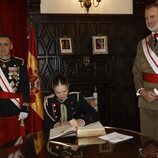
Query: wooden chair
[[93, 100]]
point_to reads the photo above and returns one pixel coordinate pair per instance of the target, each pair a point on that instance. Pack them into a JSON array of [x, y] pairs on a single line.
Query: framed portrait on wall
[[99, 45], [65, 45]]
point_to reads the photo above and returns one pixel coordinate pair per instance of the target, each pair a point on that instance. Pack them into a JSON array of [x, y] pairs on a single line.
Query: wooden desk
[[36, 145]]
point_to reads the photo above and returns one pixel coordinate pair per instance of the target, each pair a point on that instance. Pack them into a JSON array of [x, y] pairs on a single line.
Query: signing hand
[[77, 122], [62, 124], [73, 123]]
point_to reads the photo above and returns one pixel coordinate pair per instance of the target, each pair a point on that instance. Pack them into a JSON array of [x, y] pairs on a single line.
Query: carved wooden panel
[[111, 74], [124, 101], [113, 78], [97, 69]]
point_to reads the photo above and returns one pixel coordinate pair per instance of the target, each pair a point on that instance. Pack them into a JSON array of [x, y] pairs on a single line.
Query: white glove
[[156, 91], [23, 115]]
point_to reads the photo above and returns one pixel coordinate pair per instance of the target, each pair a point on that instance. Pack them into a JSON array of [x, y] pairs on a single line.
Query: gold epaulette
[[47, 97], [22, 60], [77, 93], [46, 104]]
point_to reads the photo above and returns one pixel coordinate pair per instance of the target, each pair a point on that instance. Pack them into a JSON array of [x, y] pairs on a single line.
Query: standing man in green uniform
[[145, 71]]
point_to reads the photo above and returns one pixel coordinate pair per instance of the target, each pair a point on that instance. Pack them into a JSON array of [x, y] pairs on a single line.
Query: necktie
[[155, 35], [155, 38]]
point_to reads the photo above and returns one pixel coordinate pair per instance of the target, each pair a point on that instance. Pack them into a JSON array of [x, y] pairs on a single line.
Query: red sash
[[150, 77], [8, 95]]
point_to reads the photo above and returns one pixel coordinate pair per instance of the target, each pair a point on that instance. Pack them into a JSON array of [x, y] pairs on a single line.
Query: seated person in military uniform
[[62, 107]]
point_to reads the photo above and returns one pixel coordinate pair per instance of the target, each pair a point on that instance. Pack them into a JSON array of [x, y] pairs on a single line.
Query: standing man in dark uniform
[[14, 91], [145, 70], [63, 108]]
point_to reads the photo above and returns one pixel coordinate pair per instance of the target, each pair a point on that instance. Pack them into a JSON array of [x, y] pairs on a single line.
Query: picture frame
[[99, 44], [65, 45]]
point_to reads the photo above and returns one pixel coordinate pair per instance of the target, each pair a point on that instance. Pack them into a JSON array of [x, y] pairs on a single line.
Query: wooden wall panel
[[111, 74]]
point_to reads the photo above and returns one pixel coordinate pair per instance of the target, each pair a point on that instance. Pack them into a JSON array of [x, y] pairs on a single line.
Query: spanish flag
[[35, 120]]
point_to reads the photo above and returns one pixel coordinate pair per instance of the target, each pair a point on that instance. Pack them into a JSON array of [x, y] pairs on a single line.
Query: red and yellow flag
[[35, 121]]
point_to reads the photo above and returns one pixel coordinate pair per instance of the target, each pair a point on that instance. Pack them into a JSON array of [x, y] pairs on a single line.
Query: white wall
[[73, 7]]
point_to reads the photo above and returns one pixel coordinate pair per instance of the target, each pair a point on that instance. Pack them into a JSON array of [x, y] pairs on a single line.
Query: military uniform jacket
[[140, 66], [16, 73], [75, 108]]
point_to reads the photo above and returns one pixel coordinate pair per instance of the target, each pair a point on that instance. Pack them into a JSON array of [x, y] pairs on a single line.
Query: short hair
[[59, 79], [5, 36], [152, 5]]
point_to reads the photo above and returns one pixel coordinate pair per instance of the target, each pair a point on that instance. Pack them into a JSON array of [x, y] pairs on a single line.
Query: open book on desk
[[90, 130]]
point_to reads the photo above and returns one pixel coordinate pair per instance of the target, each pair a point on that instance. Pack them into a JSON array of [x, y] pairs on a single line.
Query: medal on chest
[[13, 73], [13, 76], [4, 65]]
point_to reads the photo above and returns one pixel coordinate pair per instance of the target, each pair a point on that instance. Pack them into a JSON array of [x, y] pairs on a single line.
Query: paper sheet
[[115, 137]]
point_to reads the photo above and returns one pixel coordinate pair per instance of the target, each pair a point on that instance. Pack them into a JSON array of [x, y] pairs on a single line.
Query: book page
[[93, 129], [61, 131], [115, 137]]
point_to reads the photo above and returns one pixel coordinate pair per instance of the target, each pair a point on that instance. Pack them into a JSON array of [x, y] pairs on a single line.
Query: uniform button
[[55, 111], [54, 105]]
